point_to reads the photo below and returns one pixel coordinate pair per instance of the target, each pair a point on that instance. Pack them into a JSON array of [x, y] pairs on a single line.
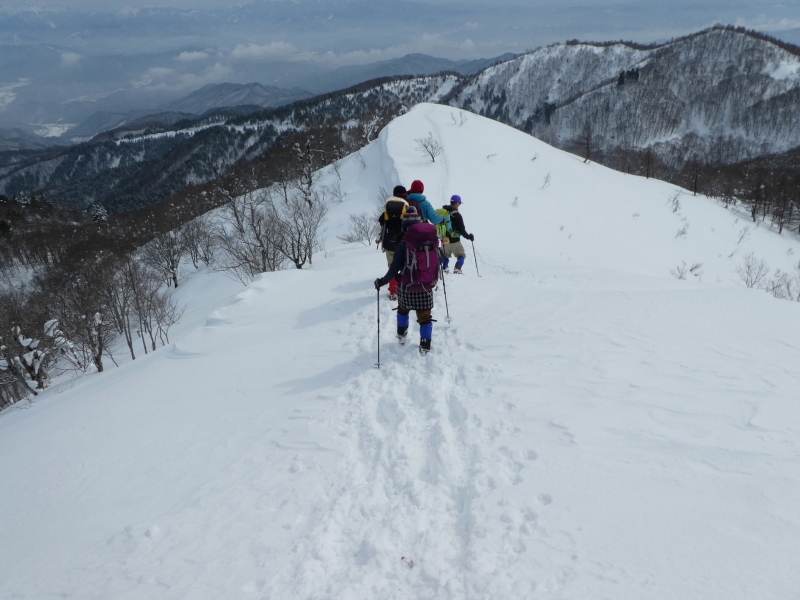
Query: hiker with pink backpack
[[416, 260]]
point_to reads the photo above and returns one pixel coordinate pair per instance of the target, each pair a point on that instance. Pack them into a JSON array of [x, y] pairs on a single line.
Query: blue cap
[[455, 198]]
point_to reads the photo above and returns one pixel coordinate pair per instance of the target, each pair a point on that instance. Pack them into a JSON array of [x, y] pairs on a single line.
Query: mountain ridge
[[586, 420]]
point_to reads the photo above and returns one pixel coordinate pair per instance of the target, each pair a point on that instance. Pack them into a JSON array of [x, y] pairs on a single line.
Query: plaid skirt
[[415, 300]]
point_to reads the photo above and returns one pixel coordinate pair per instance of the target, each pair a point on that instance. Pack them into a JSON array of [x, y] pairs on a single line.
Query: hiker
[[391, 221], [451, 242], [418, 201], [416, 260]]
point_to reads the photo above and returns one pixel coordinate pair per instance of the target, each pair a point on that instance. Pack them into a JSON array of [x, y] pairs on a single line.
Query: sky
[[359, 31], [57, 52]]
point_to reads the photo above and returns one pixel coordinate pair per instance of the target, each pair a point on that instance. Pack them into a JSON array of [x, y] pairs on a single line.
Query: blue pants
[[423, 318], [446, 262]]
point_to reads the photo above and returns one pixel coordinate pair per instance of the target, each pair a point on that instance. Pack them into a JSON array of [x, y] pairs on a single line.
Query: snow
[[783, 70], [53, 129], [587, 425]]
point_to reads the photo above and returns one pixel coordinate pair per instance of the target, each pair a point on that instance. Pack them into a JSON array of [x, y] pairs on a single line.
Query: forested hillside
[[724, 95], [125, 170]]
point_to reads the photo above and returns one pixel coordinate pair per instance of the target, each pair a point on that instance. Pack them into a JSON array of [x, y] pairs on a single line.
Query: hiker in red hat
[[418, 201]]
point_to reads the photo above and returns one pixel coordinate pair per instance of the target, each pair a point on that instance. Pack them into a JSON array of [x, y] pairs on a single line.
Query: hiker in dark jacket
[[391, 221], [452, 245], [418, 300]]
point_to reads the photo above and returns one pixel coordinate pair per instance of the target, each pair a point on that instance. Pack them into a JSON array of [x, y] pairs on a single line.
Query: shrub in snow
[[752, 271], [361, 229]]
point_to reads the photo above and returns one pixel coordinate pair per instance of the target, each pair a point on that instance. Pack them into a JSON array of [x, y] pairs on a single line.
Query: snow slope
[[587, 426]]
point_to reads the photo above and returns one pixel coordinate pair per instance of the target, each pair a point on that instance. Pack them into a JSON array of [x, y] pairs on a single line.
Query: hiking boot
[[402, 332], [447, 271], [393, 297], [456, 271], [424, 346]]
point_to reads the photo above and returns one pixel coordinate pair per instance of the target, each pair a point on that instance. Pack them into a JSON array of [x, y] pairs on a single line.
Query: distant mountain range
[[114, 110], [225, 95], [720, 96], [148, 158]]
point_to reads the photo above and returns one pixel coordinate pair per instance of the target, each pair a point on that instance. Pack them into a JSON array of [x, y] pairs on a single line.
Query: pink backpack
[[421, 271]]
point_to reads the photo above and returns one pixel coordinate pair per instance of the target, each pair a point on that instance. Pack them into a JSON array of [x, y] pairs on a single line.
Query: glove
[[378, 284], [471, 237]]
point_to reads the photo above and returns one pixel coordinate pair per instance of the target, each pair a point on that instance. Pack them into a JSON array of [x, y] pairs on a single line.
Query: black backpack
[[393, 213]]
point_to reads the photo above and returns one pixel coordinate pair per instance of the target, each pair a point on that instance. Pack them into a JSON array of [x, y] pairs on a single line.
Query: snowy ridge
[[586, 426]]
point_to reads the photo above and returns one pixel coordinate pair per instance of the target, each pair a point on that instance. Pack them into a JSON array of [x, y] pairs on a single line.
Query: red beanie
[[416, 187]]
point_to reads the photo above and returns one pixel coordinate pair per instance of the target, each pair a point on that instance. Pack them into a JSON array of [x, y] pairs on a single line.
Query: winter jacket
[[457, 223], [425, 208]]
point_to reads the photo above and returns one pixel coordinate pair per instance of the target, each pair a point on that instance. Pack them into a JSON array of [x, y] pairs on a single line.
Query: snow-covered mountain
[[587, 425], [721, 95]]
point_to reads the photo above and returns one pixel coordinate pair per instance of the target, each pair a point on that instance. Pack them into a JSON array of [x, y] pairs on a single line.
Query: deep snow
[[587, 426]]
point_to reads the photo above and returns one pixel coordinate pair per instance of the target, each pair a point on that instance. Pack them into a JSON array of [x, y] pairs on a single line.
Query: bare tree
[[166, 314], [198, 240], [675, 202], [460, 119], [299, 228], [586, 140], [84, 317], [142, 284], [164, 255], [752, 271], [118, 296], [249, 233], [362, 229], [429, 146], [360, 159]]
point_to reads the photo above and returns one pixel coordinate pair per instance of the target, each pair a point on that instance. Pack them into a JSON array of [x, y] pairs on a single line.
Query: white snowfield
[[587, 426]]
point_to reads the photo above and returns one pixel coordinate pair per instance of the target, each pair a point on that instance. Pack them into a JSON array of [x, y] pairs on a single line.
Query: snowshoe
[[402, 335], [424, 346], [457, 272]]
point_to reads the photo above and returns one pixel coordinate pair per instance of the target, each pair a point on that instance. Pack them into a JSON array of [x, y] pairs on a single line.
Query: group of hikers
[[411, 232]]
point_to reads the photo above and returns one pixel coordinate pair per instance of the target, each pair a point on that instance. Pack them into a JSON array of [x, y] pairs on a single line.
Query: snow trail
[[420, 467]]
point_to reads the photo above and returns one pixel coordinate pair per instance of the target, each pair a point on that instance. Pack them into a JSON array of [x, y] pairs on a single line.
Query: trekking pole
[[475, 256], [444, 287], [378, 364]]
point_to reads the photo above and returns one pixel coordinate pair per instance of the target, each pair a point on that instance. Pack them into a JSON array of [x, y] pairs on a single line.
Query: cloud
[[762, 23], [190, 56], [267, 51], [7, 95], [218, 73], [468, 45], [70, 59], [425, 44], [151, 75], [471, 26]]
